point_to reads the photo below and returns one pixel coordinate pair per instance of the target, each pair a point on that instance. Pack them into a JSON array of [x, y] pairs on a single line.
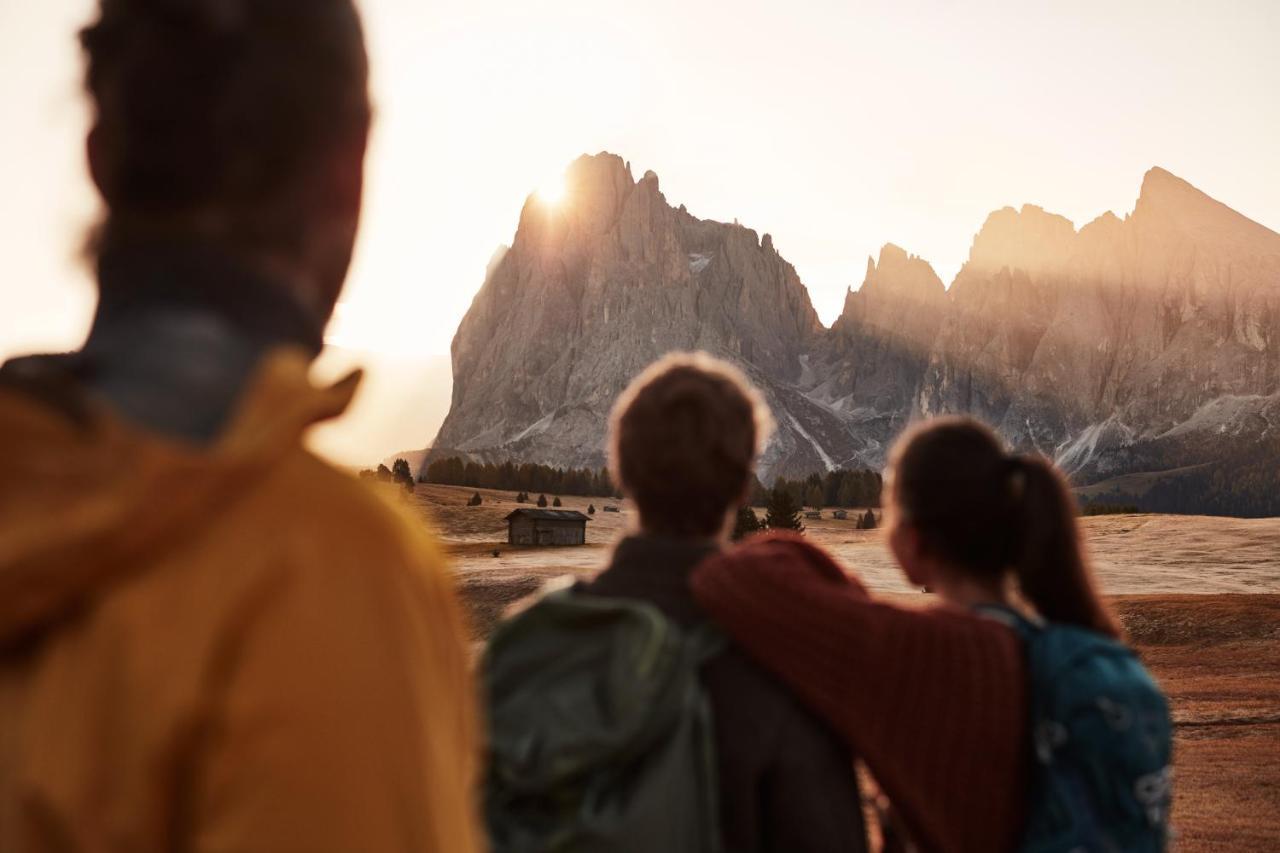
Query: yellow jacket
[[232, 649]]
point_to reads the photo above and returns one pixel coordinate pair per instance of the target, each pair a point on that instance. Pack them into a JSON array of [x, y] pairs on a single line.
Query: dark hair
[[985, 511], [683, 443], [210, 113]]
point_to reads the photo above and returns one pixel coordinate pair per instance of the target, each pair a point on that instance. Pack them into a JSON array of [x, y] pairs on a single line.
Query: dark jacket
[[787, 783]]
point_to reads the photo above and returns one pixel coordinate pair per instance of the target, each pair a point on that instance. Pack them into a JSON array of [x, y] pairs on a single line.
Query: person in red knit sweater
[[934, 700]]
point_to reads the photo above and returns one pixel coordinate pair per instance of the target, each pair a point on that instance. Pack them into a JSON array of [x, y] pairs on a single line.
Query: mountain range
[[1142, 354]]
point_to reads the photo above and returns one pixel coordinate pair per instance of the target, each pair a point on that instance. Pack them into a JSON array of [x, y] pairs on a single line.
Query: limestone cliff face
[[1092, 345], [594, 289], [868, 367], [1134, 344]]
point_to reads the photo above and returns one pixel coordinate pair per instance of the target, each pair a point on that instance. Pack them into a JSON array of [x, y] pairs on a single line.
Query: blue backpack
[[1102, 742]]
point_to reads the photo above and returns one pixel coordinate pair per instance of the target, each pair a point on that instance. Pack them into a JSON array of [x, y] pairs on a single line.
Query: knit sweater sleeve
[[932, 700]]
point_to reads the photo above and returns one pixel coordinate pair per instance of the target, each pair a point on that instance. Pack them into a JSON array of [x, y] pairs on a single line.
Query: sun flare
[[551, 191]]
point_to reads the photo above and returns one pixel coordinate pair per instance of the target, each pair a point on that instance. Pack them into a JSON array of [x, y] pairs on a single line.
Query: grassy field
[[1200, 598]]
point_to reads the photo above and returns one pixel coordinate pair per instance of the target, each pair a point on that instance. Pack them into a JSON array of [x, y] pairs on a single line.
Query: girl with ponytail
[[956, 709], [966, 518]]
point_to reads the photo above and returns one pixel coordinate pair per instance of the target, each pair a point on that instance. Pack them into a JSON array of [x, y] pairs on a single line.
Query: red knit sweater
[[934, 701]]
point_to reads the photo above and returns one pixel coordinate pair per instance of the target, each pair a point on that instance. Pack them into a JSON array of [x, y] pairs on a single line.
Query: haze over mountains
[[1143, 353]]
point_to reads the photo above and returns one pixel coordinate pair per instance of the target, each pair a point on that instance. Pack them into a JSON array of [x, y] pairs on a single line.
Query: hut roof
[[548, 515]]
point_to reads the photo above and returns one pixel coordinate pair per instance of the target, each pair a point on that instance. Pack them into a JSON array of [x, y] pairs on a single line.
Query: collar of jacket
[[200, 277], [656, 569], [83, 505], [661, 556]]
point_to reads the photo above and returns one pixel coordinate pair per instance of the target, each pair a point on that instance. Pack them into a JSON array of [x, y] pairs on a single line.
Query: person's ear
[[908, 550], [346, 174]]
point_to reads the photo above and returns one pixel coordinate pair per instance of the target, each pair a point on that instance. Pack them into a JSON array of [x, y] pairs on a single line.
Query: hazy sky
[[835, 126]]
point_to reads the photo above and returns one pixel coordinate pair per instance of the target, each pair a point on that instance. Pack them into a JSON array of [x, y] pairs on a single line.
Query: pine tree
[[868, 521], [745, 524], [476, 500], [400, 472], [591, 509], [783, 510], [542, 500], [814, 498], [556, 502]]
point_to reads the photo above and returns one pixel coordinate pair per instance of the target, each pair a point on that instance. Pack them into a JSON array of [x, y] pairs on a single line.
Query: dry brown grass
[[1218, 658]]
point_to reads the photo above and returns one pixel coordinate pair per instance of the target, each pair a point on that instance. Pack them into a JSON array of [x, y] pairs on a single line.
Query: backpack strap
[[1046, 735], [706, 641], [1026, 626]]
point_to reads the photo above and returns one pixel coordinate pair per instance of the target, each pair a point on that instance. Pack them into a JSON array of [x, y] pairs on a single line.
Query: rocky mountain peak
[[1168, 203], [1143, 344], [1029, 239], [900, 272], [1160, 186], [894, 289], [593, 289]]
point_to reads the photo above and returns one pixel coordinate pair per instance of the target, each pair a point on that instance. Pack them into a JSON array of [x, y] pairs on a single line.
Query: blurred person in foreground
[[209, 639], [1009, 717], [620, 720]]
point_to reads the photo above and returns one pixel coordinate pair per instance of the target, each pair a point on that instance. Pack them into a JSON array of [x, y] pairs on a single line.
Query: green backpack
[[600, 732]]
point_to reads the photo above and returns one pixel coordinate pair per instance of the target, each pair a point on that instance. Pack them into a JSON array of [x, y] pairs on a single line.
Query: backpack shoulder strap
[[1027, 627]]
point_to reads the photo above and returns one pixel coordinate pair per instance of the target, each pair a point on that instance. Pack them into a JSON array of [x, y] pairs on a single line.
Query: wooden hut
[[546, 527]]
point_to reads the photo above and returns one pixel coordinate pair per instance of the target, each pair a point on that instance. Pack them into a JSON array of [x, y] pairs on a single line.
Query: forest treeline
[[842, 488], [1245, 488], [519, 477], [1248, 489]]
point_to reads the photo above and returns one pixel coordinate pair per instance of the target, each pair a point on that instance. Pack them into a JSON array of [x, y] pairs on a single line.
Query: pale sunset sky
[[834, 126]]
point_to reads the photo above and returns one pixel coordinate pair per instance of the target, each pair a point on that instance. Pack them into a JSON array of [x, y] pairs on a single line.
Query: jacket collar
[[87, 505], [200, 278], [656, 569], [660, 556]]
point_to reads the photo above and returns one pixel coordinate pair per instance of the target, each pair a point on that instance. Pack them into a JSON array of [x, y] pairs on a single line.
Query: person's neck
[[966, 592], [662, 535], [261, 298]]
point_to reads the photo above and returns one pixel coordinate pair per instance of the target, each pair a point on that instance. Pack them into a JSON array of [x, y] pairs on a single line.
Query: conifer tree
[[783, 510], [745, 524]]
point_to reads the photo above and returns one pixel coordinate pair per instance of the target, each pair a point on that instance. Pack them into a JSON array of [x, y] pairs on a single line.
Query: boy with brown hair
[[684, 438]]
